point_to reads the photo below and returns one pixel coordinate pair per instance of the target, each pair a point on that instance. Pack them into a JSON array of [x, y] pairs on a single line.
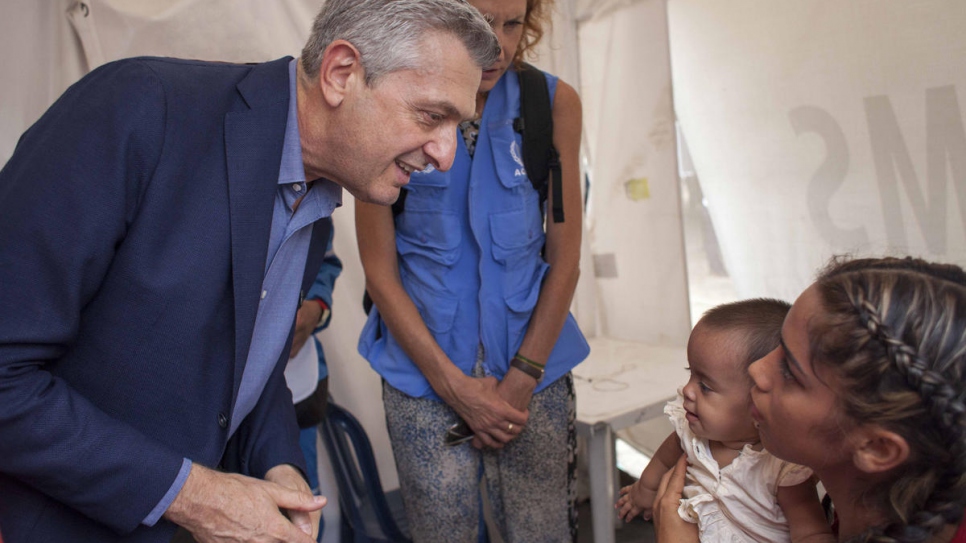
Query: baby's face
[[717, 397]]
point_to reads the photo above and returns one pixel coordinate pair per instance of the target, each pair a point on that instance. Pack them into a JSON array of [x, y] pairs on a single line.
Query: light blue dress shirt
[[284, 267]]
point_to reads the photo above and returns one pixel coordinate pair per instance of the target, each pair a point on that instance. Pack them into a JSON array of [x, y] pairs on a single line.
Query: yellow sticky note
[[637, 189]]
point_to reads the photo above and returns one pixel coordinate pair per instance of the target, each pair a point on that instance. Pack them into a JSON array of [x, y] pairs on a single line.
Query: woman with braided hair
[[868, 388]]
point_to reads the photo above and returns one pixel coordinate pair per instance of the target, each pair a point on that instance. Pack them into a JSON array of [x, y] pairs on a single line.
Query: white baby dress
[[740, 502]]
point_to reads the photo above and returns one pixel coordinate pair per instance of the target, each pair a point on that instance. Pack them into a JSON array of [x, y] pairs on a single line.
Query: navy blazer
[[134, 225]]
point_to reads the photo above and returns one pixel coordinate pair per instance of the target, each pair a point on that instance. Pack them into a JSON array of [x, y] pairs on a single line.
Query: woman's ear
[[341, 63], [877, 450]]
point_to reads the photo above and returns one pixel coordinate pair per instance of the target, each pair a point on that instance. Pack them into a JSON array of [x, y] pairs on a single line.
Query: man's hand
[[289, 477], [305, 320], [669, 527], [229, 508], [636, 499]]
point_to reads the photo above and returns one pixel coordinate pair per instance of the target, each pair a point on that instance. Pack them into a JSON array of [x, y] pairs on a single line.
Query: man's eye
[[431, 118]]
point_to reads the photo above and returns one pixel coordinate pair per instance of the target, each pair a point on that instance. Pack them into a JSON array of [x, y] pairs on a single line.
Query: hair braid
[[944, 406], [895, 333], [933, 388]]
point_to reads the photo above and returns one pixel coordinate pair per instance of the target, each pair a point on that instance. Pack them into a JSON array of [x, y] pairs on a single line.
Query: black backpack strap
[[400, 204], [540, 157]]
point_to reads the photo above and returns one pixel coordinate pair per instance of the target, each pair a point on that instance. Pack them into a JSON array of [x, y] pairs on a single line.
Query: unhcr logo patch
[[515, 153]]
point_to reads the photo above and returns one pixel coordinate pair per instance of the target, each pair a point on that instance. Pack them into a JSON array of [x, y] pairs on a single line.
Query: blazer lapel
[[253, 147]]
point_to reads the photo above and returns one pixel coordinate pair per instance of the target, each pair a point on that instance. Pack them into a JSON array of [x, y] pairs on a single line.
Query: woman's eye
[[512, 24], [785, 369]]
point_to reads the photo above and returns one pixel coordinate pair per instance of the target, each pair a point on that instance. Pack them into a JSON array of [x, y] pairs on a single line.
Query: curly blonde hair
[[536, 20], [894, 333]]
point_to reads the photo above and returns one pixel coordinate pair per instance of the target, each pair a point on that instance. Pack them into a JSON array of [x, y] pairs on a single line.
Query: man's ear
[[877, 450], [341, 68]]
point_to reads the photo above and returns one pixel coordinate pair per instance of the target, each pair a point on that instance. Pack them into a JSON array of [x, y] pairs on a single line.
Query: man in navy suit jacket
[[156, 239]]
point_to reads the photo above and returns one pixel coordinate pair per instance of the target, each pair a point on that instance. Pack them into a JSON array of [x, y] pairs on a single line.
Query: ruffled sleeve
[[792, 474]]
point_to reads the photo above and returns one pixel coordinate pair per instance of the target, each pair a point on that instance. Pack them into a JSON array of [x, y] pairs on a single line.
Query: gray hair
[[387, 33]]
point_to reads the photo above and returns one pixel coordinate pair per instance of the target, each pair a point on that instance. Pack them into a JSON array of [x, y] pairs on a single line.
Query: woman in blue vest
[[472, 289]]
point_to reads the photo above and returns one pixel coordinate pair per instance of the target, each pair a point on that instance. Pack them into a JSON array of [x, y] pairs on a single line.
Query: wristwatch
[[326, 312]]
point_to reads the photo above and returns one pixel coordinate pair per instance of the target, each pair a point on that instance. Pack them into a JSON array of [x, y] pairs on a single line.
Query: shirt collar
[[292, 169]]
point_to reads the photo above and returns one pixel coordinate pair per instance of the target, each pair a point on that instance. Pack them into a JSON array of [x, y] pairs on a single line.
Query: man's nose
[[441, 150]]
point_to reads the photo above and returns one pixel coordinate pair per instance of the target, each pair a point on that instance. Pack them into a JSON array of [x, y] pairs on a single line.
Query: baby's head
[[726, 340]]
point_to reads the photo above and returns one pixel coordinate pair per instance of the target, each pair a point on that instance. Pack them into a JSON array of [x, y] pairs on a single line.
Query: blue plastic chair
[[369, 515]]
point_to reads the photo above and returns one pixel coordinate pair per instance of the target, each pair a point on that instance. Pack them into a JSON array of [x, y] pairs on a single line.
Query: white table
[[621, 383]]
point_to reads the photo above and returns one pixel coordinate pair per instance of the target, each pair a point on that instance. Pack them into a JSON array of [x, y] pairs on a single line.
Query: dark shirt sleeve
[[325, 280]]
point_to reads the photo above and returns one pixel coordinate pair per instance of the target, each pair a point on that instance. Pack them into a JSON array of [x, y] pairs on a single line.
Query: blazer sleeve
[[67, 197]]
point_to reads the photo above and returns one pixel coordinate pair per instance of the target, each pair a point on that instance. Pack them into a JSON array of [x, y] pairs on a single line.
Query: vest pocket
[[520, 308], [434, 235], [517, 240], [438, 312]]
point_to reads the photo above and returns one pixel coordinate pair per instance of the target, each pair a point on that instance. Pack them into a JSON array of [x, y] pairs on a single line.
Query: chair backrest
[[365, 511]]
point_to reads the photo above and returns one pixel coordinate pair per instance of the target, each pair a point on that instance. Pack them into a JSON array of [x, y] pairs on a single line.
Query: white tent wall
[[634, 212], [821, 127], [633, 281], [41, 58]]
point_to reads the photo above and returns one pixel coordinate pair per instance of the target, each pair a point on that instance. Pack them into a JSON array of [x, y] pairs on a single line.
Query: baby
[[735, 490]]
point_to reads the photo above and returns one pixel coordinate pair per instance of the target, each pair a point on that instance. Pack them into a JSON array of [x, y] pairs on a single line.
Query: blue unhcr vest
[[469, 244]]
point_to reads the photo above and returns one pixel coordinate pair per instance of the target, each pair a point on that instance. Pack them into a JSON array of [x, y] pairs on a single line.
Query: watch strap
[[325, 314]]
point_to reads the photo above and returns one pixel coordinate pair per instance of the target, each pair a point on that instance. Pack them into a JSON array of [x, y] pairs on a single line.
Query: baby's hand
[[636, 499]]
